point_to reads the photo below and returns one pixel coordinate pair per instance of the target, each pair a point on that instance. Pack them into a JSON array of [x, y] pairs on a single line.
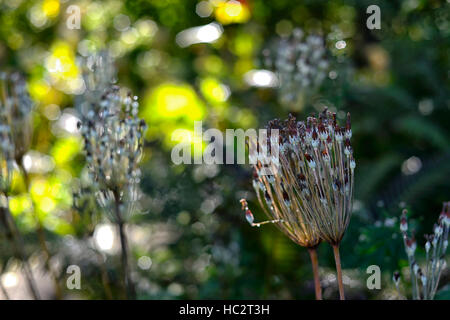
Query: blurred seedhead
[[301, 65], [113, 136], [16, 125], [425, 281]]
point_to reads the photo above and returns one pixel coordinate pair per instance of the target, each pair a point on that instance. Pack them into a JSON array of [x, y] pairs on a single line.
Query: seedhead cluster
[[113, 141], [311, 188]]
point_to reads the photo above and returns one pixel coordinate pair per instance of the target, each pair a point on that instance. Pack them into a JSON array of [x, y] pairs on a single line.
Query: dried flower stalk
[[309, 195]]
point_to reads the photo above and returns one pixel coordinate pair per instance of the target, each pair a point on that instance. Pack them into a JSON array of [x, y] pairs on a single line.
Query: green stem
[[315, 267]]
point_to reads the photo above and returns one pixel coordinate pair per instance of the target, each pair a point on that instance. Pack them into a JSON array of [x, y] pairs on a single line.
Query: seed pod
[[249, 216]]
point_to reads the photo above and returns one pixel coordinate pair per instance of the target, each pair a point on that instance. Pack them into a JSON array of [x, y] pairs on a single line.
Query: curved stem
[[337, 258], [315, 267]]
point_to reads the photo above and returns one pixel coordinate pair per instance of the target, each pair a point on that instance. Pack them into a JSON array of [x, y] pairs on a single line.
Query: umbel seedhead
[[311, 189]]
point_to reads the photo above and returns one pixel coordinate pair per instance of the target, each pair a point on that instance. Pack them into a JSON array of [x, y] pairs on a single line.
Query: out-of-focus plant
[[425, 281], [113, 142], [309, 193], [16, 131], [301, 66]]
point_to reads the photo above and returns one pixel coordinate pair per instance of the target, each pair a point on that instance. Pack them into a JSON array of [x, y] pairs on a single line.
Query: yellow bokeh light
[[39, 187], [50, 8], [46, 204], [61, 66], [61, 62], [41, 92], [174, 101], [244, 44], [38, 89], [171, 106], [65, 149], [19, 204], [214, 91], [232, 11]]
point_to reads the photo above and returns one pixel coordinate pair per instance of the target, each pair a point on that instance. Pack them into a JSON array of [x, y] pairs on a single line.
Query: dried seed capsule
[[249, 216]]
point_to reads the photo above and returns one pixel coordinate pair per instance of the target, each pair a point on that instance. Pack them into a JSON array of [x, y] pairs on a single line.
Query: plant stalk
[[104, 273], [128, 283], [337, 258], [315, 268], [105, 277]]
